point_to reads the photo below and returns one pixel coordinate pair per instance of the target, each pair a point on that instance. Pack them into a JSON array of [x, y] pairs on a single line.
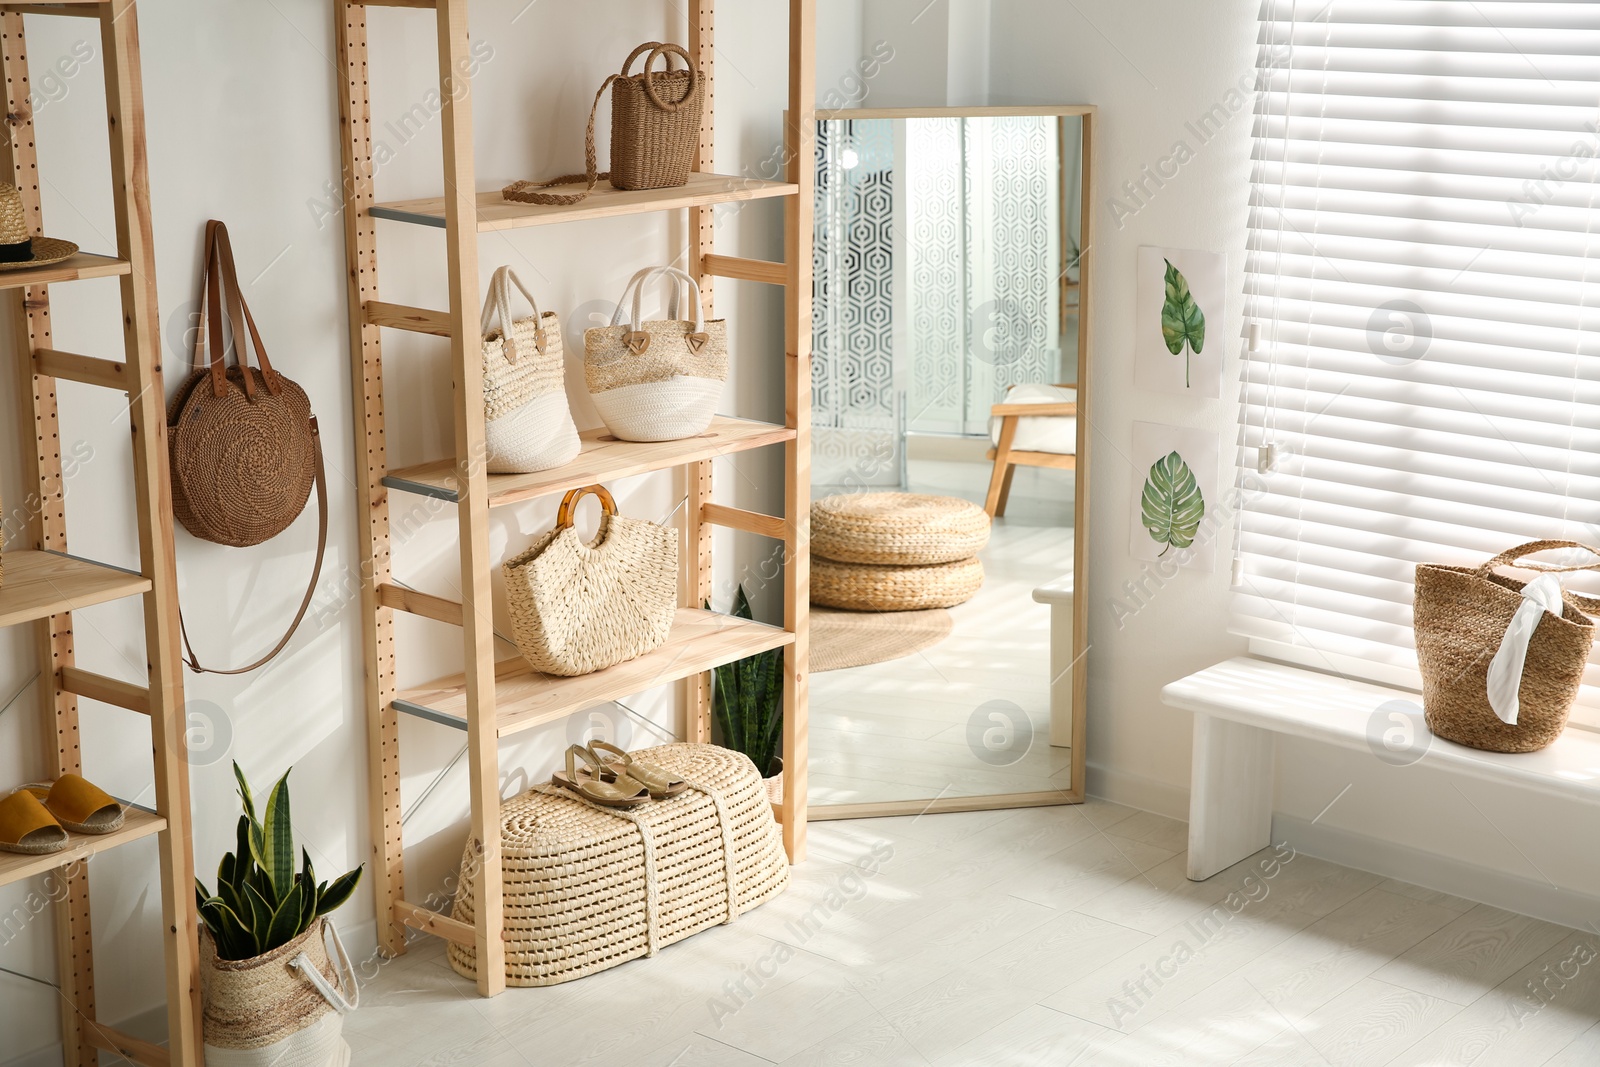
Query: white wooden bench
[[1240, 704]]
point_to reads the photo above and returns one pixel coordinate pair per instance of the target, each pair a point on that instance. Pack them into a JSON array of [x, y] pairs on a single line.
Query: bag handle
[[569, 504], [648, 77], [189, 657], [347, 975], [673, 296], [221, 297], [1510, 557], [637, 340], [523, 192], [499, 302]]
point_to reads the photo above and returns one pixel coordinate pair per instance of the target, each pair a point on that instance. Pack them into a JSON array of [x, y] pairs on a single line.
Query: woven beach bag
[[284, 1008], [904, 529], [659, 380], [577, 607], [588, 888], [1461, 616], [655, 131], [528, 424]]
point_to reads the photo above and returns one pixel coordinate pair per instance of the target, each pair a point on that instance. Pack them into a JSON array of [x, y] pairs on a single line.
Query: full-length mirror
[[949, 460]]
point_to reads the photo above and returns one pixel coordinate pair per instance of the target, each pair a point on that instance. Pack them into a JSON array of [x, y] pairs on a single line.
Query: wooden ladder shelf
[[43, 585], [489, 700]]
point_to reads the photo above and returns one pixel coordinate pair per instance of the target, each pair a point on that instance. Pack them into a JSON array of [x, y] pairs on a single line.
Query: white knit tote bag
[[658, 380], [528, 424]]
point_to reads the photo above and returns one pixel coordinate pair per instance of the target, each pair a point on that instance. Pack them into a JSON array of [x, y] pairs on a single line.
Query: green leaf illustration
[[1183, 324], [1172, 505]]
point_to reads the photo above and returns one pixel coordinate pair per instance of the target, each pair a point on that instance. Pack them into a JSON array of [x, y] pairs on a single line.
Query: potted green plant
[[270, 992], [747, 702]]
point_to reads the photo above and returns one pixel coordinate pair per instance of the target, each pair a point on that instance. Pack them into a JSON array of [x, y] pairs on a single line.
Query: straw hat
[[18, 249]]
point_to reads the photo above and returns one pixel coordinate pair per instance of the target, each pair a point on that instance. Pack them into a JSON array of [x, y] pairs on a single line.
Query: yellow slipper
[[79, 806], [26, 827]]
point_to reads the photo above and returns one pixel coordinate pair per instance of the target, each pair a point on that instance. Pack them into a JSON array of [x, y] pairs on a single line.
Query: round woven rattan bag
[[1461, 616], [241, 441]]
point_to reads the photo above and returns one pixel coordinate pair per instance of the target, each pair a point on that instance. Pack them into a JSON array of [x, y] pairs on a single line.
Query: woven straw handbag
[[655, 130], [1461, 617], [659, 380], [577, 607], [284, 1008], [589, 888], [242, 444], [528, 424]]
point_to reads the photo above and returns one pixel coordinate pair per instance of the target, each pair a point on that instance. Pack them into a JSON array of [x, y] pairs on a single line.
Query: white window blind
[[1422, 277]]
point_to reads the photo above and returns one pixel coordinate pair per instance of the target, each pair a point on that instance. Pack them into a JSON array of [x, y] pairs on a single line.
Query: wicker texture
[[902, 529], [588, 888], [656, 380], [655, 131], [528, 424], [1461, 615], [27, 249], [880, 587], [262, 1002], [577, 607]]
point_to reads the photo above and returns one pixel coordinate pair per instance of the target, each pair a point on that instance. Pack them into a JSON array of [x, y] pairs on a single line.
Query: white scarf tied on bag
[[1505, 670]]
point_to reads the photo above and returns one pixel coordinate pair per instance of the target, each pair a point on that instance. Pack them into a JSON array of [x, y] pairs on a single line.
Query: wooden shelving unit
[[43, 584], [490, 700]]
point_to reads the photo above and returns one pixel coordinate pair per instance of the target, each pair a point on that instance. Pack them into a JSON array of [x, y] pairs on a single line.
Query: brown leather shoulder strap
[[316, 573]]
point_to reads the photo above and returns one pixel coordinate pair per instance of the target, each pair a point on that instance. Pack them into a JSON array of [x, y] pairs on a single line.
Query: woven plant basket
[[1461, 615], [903, 529], [269, 1012], [578, 607], [588, 888], [880, 587]]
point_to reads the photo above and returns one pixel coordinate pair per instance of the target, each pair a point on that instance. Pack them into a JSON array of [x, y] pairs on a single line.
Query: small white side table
[[1058, 594]]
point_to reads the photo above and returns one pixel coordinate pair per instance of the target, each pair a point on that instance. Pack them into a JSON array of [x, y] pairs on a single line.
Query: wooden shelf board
[[137, 823], [38, 584], [603, 459], [82, 265], [497, 213], [524, 699]]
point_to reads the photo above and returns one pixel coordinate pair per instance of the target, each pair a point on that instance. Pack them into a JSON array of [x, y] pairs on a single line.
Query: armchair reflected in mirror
[[949, 471]]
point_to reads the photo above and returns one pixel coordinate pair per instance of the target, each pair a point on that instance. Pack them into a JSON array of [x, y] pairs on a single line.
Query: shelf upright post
[[387, 871], [46, 525], [477, 608], [130, 176], [697, 476], [798, 214]]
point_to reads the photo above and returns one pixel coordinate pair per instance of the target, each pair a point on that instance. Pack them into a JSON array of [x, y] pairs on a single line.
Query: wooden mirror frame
[[1071, 679]]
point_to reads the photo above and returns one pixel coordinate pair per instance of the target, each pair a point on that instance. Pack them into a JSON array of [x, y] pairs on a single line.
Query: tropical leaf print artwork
[[1183, 324], [1172, 505]]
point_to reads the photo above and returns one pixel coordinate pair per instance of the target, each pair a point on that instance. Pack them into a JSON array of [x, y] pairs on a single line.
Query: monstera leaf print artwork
[[1172, 505], [1183, 324]]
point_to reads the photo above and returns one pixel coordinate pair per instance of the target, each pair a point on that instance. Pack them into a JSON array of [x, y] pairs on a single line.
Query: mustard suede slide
[[26, 827], [79, 806]]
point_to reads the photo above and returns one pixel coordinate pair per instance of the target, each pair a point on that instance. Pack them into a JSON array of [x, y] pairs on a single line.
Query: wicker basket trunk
[[588, 888]]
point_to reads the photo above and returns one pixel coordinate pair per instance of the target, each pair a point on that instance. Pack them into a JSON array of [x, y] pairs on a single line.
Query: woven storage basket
[[880, 587], [904, 529], [1461, 615], [588, 888], [263, 1012]]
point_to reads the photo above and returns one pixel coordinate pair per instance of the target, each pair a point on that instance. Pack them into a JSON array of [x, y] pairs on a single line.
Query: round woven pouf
[[878, 587], [900, 529]]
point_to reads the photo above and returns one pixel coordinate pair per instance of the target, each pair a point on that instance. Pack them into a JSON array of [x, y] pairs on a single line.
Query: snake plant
[[262, 902], [747, 700]]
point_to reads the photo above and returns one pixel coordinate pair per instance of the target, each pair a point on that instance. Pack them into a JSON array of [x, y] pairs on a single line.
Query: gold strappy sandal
[[590, 783], [661, 783]]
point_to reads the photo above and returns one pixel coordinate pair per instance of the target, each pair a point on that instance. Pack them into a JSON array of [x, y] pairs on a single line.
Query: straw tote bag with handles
[[578, 607], [528, 425], [242, 443], [655, 130], [1462, 615], [660, 380]]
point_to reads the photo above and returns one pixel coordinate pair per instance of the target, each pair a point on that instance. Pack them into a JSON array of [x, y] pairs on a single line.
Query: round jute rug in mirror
[[841, 639]]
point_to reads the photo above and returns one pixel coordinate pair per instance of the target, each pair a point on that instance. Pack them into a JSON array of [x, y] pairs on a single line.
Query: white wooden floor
[[1046, 937]]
